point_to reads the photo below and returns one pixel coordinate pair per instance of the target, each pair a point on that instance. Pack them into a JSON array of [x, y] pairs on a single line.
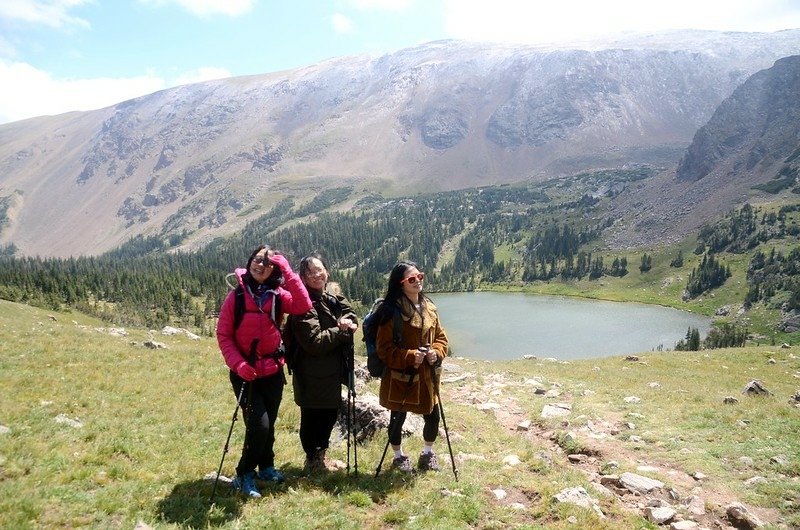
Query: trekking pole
[[351, 407], [227, 441], [249, 403], [349, 426], [391, 417], [436, 380], [386, 447], [233, 421]]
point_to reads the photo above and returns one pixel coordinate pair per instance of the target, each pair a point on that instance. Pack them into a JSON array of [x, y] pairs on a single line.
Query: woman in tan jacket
[[408, 382]]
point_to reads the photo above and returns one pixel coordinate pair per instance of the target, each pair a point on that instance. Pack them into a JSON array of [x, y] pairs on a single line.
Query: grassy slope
[[154, 423]]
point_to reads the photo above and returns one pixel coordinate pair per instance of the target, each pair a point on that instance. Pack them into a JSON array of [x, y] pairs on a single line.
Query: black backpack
[[375, 366]]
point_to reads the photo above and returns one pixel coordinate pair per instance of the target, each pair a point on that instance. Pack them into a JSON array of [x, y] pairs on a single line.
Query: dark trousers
[[260, 403], [315, 428], [429, 431]]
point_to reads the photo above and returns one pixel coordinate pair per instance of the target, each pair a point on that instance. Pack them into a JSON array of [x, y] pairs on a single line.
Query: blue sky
[[62, 55]]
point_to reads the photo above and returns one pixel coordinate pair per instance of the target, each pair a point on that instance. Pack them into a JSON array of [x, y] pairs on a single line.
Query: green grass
[[154, 422]]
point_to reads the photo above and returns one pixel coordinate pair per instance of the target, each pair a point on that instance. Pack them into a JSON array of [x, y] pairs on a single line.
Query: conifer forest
[[464, 240]]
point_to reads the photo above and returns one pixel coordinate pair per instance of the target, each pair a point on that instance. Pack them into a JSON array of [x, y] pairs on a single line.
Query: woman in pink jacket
[[250, 340]]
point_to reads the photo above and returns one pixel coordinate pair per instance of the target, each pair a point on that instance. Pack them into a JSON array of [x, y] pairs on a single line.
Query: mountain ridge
[[203, 158], [752, 139]]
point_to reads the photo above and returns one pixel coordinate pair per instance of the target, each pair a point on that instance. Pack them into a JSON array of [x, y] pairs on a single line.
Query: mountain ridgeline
[[203, 160]]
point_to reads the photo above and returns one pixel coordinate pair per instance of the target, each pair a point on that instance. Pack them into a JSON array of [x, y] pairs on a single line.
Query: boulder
[[639, 484], [660, 515], [555, 410], [756, 388], [741, 517], [580, 497], [370, 418]]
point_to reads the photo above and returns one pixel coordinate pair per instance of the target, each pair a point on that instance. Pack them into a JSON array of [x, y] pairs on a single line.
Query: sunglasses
[[259, 260], [414, 278]]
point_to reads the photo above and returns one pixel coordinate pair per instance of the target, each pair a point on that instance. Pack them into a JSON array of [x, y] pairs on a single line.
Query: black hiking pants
[[315, 428], [259, 413], [430, 429]]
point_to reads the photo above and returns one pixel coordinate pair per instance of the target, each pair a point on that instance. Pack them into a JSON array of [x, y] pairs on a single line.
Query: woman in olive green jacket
[[324, 337], [408, 381]]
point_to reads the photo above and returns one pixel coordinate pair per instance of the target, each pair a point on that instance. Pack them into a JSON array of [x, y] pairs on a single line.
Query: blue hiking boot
[[246, 484], [270, 474]]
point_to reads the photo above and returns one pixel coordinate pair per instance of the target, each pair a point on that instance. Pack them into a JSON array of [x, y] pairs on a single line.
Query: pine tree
[[678, 261], [647, 263]]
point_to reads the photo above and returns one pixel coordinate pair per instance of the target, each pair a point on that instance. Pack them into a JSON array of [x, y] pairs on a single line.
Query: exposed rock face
[[790, 321], [751, 140], [447, 114], [759, 124], [443, 128]]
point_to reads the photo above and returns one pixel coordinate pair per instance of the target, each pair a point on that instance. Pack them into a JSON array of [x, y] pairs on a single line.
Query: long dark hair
[[274, 280], [394, 291]]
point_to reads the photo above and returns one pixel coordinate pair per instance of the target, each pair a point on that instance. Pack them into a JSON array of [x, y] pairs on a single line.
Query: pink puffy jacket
[[258, 325]]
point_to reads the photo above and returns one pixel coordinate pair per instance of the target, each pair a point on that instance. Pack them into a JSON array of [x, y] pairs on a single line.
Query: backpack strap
[[275, 312], [239, 307], [397, 334]]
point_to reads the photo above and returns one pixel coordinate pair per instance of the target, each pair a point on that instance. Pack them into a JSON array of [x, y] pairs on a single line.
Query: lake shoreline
[[505, 325], [575, 295]]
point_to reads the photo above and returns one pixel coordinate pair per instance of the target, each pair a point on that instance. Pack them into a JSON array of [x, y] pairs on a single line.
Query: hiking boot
[[310, 466], [319, 463], [313, 464], [331, 464], [428, 462], [246, 484], [270, 474], [402, 463]]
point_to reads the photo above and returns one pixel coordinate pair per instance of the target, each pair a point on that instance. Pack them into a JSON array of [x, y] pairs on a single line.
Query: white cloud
[[537, 22], [26, 91], [53, 13], [204, 8], [341, 24], [7, 49], [380, 5], [205, 73]]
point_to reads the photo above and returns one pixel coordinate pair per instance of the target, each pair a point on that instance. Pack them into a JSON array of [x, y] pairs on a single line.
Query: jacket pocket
[[404, 389], [266, 367]]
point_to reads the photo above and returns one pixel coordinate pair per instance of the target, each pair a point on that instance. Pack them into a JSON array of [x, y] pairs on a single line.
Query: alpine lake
[[503, 326]]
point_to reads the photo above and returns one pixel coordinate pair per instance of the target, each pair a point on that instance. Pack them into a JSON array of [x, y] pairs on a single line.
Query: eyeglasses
[[259, 260], [414, 278]]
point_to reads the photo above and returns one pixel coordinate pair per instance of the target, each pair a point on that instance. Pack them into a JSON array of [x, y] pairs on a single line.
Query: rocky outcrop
[[759, 124], [790, 321]]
